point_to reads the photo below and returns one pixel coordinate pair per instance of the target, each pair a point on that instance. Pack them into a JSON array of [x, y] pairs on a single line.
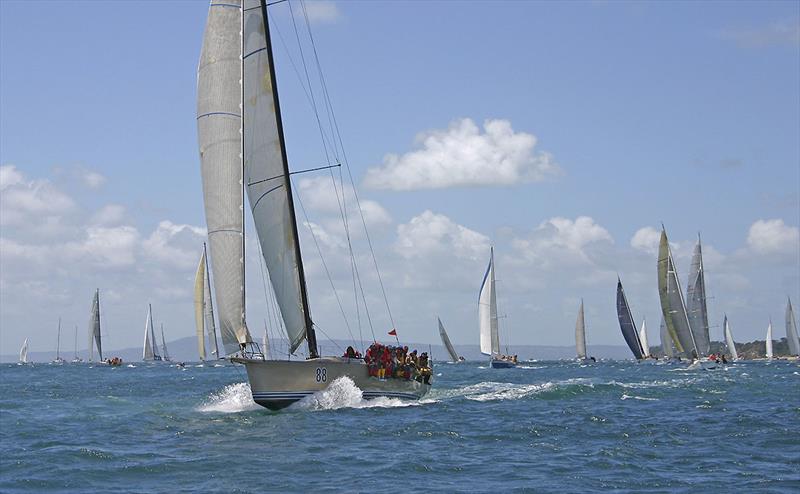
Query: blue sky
[[683, 113]]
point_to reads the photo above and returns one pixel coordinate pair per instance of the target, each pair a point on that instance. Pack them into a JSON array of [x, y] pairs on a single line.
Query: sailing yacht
[[448, 345], [242, 147], [204, 309], [696, 307], [580, 335], [94, 327], [791, 330], [58, 360], [75, 358], [487, 319], [768, 341], [149, 348], [164, 352], [23, 353], [627, 324], [643, 339], [729, 339]]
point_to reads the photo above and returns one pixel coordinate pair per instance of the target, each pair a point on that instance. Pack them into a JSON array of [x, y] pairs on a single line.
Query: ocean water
[[542, 427]]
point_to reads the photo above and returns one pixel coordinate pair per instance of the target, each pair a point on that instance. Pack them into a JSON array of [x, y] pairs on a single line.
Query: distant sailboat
[[729, 339], [243, 149], [447, 344], [204, 309], [487, 319], [673, 307], [75, 358], [626, 323], [791, 330], [58, 359], [23, 352], [94, 327], [696, 307], [643, 339], [580, 334], [150, 350], [667, 345], [164, 352], [768, 342]]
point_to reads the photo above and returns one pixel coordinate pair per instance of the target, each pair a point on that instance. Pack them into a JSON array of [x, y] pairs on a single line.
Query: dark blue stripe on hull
[[502, 365], [279, 400]]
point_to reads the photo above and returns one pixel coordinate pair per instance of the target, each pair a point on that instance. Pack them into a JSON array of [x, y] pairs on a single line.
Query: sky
[[561, 133]]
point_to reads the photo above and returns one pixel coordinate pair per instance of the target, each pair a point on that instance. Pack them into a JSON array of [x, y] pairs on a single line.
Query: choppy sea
[[542, 427]]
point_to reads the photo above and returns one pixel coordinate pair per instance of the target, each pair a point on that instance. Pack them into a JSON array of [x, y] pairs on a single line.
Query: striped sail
[[487, 312], [446, 342], [729, 339], [580, 334], [768, 343], [94, 327], [791, 330], [696, 302], [672, 304], [199, 305], [267, 180], [643, 339], [164, 352], [149, 349], [219, 126], [626, 324], [667, 345], [23, 352]]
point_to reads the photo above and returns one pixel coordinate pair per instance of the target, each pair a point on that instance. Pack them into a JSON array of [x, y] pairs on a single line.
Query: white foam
[[491, 391], [629, 397], [233, 398], [343, 393]]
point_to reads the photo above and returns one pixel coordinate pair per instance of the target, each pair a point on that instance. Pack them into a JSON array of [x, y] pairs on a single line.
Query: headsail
[[164, 352], [729, 339], [94, 327], [667, 345], [211, 325], [791, 330], [23, 352], [219, 125], [199, 305], [446, 342], [626, 324], [643, 339], [487, 311], [266, 174], [580, 334], [768, 342], [672, 304], [696, 302], [149, 348]]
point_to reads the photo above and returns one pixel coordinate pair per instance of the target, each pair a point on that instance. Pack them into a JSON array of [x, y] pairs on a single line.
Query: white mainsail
[[487, 311], [643, 339], [667, 345], [199, 305], [696, 307], [23, 352], [729, 339], [768, 342], [580, 334], [149, 348], [219, 129], [673, 307], [94, 327], [791, 330], [446, 342], [164, 352]]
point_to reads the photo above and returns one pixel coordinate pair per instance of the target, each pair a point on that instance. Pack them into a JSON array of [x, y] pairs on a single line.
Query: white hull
[[276, 384]]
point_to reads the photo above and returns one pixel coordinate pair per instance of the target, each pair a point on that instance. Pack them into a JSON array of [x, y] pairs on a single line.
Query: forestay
[[626, 324], [580, 334], [487, 311], [672, 304], [446, 342], [729, 339], [696, 307]]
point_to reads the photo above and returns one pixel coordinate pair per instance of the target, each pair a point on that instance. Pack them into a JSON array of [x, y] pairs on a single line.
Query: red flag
[[393, 332]]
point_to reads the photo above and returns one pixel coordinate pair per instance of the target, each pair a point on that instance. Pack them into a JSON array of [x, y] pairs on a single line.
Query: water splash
[[490, 391], [233, 398], [629, 397], [343, 393]]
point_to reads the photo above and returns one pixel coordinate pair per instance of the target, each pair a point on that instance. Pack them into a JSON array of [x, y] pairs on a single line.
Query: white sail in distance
[[164, 352], [791, 330], [768, 343], [23, 352], [696, 307], [667, 346], [94, 327], [446, 342], [200, 305], [149, 350], [673, 307], [580, 334], [487, 311], [219, 130], [643, 339], [729, 339]]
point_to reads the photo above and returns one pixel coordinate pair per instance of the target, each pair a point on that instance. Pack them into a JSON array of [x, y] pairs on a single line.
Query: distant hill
[[748, 351]]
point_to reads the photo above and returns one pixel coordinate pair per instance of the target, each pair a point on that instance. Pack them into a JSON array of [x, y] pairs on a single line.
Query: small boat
[[23, 353], [487, 319], [164, 352], [75, 358], [729, 339], [94, 328], [580, 337], [768, 341], [627, 324], [58, 360], [149, 348], [454, 357]]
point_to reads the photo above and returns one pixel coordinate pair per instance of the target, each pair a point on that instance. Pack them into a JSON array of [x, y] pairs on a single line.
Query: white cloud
[[27, 201], [321, 11], [428, 234], [9, 175], [107, 247], [646, 239], [562, 241], [108, 215], [173, 244], [773, 237], [463, 156], [323, 201], [786, 32], [93, 180]]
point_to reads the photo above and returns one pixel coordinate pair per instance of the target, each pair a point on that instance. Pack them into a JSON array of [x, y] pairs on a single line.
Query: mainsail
[[23, 352], [626, 324], [791, 330], [580, 334], [643, 339], [199, 305], [729, 339], [219, 126], [768, 342], [667, 345], [149, 348], [446, 342], [696, 307], [487, 311], [94, 327], [164, 352], [672, 304]]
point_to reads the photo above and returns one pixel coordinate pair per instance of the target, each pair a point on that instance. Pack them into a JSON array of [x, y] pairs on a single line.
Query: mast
[[58, 343], [311, 337], [76, 342]]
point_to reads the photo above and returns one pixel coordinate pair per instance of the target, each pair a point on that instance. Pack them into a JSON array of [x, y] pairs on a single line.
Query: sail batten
[[487, 312], [626, 323], [580, 334], [672, 302], [446, 342]]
